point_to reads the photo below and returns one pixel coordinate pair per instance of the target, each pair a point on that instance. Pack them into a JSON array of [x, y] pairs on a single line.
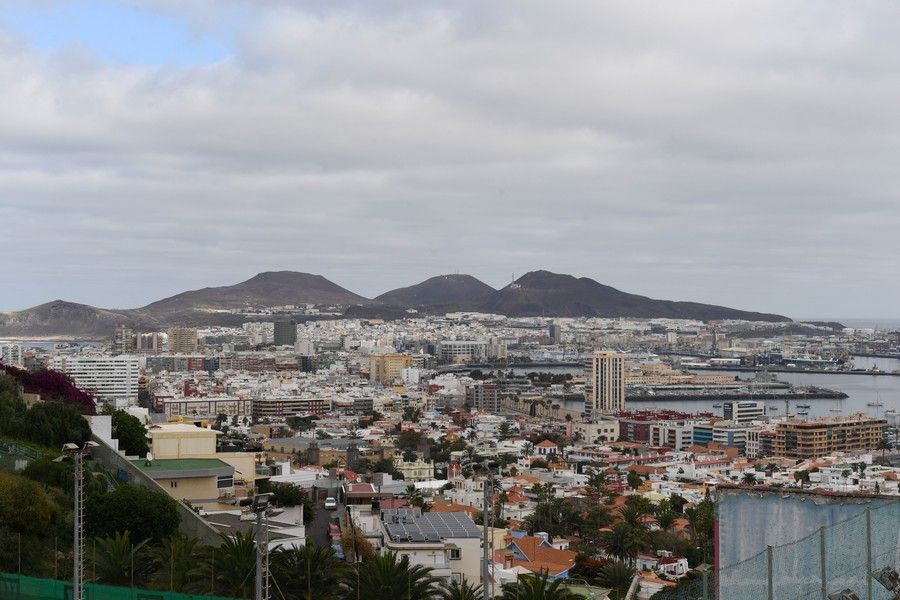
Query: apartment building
[[386, 368], [461, 351], [600, 430], [111, 379], [289, 406], [604, 388], [285, 332], [821, 437], [483, 396], [183, 340], [12, 355], [449, 543], [730, 434]]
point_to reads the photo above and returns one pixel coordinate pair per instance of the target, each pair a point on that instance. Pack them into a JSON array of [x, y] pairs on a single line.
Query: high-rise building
[[285, 332], [821, 437], [554, 333], [151, 343], [123, 340], [461, 351], [386, 368], [183, 340], [12, 355], [108, 378], [604, 389]]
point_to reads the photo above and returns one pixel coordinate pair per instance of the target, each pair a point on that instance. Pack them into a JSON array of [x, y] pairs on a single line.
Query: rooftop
[[183, 467]]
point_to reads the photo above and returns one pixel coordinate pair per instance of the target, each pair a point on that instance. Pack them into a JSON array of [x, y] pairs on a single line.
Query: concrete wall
[[192, 525]]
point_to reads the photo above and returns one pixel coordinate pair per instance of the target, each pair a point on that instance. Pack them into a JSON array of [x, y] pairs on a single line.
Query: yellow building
[[172, 441], [386, 368], [193, 479]]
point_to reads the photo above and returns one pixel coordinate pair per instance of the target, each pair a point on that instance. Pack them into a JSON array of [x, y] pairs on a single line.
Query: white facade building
[[604, 388], [12, 355], [112, 379]]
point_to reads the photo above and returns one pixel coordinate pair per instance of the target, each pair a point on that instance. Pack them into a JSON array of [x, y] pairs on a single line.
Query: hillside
[[441, 290], [66, 318], [271, 288], [545, 293]]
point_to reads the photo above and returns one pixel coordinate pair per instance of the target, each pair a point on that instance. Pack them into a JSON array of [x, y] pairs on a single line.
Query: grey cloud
[[737, 154]]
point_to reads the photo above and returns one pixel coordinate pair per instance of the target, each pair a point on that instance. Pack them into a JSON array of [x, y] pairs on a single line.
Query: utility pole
[[484, 517], [77, 454], [260, 505]]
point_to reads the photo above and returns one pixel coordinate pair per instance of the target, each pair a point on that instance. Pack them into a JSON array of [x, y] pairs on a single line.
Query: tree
[[146, 513], [504, 431], [130, 432], [634, 480], [624, 541], [26, 508], [801, 477], [309, 573], [537, 587], [461, 591], [119, 561], [53, 423], [384, 577], [227, 569], [173, 558], [618, 577], [414, 497], [749, 478], [287, 495]]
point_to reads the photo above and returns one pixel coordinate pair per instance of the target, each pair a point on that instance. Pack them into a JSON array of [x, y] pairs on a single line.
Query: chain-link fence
[[843, 556]]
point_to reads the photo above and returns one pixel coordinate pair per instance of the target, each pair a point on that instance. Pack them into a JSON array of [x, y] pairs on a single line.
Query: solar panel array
[[409, 525]]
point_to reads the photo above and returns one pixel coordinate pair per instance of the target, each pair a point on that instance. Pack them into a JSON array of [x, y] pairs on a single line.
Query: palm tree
[[617, 576], [537, 587], [414, 497], [309, 573], [227, 569], [117, 561], [624, 541], [749, 478], [386, 578], [173, 559], [461, 591]]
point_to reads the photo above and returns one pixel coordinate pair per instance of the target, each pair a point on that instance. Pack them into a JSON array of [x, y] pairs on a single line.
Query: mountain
[[272, 288], [545, 293], [443, 290], [64, 318]]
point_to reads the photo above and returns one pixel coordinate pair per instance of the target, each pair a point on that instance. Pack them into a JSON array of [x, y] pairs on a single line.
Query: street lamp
[[486, 505], [77, 454], [259, 507]]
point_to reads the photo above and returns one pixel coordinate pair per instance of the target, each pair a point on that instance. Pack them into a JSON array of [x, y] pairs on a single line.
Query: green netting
[[20, 587]]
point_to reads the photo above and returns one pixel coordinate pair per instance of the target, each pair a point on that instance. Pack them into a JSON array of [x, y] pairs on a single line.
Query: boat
[[804, 406], [835, 409], [717, 406], [875, 404], [803, 413]]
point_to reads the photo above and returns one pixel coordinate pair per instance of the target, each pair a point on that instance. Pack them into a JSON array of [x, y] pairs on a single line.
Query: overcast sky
[[738, 153]]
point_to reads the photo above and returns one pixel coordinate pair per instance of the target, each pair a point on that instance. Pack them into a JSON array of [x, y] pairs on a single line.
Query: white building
[[12, 355], [111, 379], [744, 411], [461, 351]]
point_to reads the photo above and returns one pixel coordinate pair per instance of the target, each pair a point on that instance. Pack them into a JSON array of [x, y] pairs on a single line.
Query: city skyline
[[734, 155]]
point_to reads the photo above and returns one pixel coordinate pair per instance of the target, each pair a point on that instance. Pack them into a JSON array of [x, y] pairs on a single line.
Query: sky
[[742, 154]]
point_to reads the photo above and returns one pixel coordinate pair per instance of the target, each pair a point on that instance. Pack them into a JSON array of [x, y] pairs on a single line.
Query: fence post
[[868, 553], [769, 574], [823, 564]]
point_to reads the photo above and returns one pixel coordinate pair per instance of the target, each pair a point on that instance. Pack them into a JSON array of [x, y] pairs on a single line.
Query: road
[[317, 530]]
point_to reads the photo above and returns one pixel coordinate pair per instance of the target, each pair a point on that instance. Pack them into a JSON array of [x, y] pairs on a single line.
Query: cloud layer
[[741, 154]]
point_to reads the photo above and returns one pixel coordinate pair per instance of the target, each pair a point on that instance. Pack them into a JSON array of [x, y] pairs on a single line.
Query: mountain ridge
[[537, 293]]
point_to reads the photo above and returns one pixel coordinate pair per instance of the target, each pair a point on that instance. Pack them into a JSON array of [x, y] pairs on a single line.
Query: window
[[224, 481], [457, 577], [455, 553], [173, 484]]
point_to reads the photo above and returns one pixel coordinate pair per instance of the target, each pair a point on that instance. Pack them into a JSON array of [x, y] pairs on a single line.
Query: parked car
[[330, 503]]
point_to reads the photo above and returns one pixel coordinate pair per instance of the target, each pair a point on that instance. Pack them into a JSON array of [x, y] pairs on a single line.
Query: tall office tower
[[604, 389], [285, 332], [183, 340], [554, 333], [123, 340]]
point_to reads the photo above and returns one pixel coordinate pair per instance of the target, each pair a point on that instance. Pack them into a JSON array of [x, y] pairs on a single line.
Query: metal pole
[[769, 574], [822, 563], [77, 530], [484, 517], [259, 573], [868, 553]]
